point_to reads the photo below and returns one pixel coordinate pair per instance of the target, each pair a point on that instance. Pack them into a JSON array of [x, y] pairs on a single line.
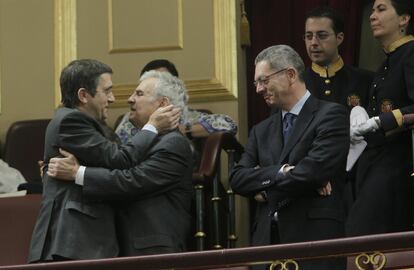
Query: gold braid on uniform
[[398, 117], [393, 46], [328, 72]]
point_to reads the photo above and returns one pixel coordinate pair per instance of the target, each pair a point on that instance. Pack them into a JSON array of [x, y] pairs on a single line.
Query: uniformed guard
[[329, 78], [384, 186]]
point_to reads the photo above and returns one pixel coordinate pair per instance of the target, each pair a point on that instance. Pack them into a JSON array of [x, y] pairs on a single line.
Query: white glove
[[358, 116], [354, 135], [370, 125]]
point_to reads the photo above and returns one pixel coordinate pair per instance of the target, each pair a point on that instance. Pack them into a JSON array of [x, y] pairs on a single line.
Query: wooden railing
[[366, 247], [208, 187]]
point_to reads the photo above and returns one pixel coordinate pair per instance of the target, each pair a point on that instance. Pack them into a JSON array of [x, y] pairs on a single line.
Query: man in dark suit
[[155, 195], [69, 226], [290, 156]]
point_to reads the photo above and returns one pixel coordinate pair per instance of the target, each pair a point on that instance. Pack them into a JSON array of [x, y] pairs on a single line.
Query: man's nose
[[259, 88], [111, 98], [130, 100], [314, 40]]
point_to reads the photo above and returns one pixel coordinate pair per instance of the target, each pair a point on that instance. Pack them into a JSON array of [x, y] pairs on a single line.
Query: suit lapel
[[276, 139], [305, 117]]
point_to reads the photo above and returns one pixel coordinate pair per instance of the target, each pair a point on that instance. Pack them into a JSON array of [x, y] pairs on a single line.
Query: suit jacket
[[68, 225], [317, 147], [155, 197]]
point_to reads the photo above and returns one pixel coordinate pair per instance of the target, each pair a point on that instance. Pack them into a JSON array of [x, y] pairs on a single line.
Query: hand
[[358, 116], [355, 135], [370, 125], [165, 118], [326, 190], [63, 168]]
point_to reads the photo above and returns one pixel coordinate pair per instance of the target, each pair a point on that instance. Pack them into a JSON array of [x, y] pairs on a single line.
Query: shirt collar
[[393, 46], [328, 71], [298, 106]]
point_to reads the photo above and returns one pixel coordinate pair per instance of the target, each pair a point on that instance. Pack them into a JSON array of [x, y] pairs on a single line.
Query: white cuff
[[281, 170], [151, 128], [80, 175]]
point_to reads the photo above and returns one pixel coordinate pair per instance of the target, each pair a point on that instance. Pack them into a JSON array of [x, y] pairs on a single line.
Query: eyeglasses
[[322, 35], [265, 79]]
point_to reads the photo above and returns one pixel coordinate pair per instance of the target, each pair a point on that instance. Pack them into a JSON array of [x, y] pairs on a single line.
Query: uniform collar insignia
[[393, 46], [329, 71]]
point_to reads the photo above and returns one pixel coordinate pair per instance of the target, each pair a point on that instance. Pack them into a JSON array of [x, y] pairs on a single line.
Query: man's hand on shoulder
[[165, 118], [64, 168]]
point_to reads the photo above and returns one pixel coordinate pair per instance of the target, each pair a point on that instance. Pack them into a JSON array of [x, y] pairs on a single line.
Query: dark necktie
[[288, 121]]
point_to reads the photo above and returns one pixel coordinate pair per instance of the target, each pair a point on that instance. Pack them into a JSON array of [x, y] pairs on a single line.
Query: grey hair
[[280, 57], [171, 87]]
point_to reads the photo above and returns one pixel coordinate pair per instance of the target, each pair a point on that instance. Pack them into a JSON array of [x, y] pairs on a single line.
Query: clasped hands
[[361, 124]]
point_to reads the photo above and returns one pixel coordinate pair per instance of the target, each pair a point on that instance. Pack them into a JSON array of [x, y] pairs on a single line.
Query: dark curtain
[[283, 22]]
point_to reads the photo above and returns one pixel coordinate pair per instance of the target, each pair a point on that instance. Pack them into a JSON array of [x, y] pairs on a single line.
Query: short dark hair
[[160, 63], [405, 7], [83, 73], [327, 12]]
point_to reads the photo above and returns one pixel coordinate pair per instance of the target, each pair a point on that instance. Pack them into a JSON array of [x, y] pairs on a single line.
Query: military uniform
[[345, 85], [339, 83], [383, 180]]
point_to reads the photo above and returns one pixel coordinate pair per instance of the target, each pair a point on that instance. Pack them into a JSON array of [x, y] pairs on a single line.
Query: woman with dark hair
[[383, 184]]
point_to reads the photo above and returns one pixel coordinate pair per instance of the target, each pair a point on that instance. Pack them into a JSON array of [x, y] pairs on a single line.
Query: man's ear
[[292, 74], [83, 95], [165, 101], [340, 38]]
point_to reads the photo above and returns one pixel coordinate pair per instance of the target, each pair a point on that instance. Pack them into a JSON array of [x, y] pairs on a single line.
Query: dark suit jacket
[[318, 148], [68, 225], [154, 215]]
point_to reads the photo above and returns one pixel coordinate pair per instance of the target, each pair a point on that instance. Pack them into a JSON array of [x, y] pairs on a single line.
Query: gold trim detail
[[215, 199], [200, 235], [398, 117], [198, 187], [65, 39], [377, 260], [178, 46], [284, 264], [225, 47], [223, 86], [217, 246], [393, 46], [330, 71], [198, 90], [229, 191], [0, 83]]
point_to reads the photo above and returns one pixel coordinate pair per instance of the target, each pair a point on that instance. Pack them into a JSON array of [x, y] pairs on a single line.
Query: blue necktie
[[288, 121]]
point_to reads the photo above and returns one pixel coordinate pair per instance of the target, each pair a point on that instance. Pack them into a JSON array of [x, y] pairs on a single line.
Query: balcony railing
[[374, 248]]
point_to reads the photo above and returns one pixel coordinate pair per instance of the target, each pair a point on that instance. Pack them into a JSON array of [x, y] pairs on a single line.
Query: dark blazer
[[68, 225], [318, 148], [155, 197]]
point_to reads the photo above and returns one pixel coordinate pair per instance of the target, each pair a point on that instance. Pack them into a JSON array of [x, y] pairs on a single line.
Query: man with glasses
[[329, 78], [292, 154]]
